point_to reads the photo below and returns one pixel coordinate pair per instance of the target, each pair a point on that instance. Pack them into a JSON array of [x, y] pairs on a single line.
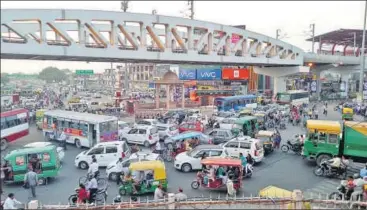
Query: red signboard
[[235, 74]]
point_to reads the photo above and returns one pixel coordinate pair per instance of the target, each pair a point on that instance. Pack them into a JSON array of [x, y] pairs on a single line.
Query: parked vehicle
[[167, 130], [245, 145], [203, 138], [14, 125], [220, 136], [247, 125], [267, 140], [60, 151], [191, 127], [227, 123], [105, 152]]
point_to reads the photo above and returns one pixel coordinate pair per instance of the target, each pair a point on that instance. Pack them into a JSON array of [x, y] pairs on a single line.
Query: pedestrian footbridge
[[105, 36]]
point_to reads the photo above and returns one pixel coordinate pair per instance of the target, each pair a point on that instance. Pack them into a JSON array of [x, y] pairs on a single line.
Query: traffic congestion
[[88, 150]]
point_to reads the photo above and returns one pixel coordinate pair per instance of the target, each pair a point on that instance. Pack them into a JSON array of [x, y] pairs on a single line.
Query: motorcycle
[[100, 197], [326, 170], [250, 170], [295, 147]]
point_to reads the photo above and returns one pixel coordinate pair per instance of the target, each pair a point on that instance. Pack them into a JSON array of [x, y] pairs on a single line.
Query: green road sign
[[84, 72]]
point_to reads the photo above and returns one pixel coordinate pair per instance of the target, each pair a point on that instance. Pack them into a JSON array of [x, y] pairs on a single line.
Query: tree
[[4, 78], [52, 74]]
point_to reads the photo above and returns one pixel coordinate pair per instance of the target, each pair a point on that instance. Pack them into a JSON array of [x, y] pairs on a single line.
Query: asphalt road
[[284, 170]]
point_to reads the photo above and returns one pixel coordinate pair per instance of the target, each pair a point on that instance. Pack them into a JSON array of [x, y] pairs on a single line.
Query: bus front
[[283, 98]]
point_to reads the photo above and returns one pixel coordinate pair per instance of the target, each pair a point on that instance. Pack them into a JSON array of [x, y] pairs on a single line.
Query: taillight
[[150, 137], [210, 141], [256, 153]]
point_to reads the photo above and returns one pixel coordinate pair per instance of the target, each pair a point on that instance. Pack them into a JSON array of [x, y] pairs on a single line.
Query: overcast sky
[[292, 17]]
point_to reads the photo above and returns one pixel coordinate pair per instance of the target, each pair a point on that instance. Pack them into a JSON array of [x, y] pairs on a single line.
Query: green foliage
[[53, 74], [4, 78]]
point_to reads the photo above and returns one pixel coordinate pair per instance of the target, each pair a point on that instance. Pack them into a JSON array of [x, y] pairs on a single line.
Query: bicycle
[[101, 181]]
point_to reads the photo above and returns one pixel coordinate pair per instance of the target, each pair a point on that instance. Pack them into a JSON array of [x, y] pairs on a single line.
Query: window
[[74, 125], [333, 138], [96, 151], [126, 164], [201, 153], [111, 149], [142, 131], [84, 128], [125, 147], [245, 145], [160, 128], [216, 153], [213, 133], [322, 137], [232, 144], [46, 157], [133, 131], [19, 160]]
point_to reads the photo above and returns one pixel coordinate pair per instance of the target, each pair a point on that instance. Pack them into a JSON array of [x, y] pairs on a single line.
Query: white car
[[135, 157], [143, 135], [167, 130], [151, 122], [227, 123], [60, 151], [222, 115], [105, 153], [188, 161], [245, 145], [123, 127]]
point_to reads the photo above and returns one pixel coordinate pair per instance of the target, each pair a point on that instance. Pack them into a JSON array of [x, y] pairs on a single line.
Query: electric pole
[[361, 80], [312, 26], [278, 33], [124, 5], [191, 4]]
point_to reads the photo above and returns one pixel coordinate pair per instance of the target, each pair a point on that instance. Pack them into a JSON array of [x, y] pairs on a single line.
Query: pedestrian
[[325, 110], [10, 202], [180, 196], [158, 193], [316, 114], [31, 181], [119, 170]]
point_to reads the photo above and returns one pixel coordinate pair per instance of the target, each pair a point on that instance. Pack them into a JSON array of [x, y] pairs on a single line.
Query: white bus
[[294, 97], [82, 129]]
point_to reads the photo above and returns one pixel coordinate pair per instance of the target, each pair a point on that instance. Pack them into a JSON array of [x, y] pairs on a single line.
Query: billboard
[[235, 74], [187, 74], [209, 74]]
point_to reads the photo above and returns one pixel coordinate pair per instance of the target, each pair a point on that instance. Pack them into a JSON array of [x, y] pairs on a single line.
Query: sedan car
[[60, 151], [191, 127], [221, 135]]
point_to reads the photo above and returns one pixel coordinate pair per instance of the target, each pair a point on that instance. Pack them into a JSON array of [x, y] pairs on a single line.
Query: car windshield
[[192, 153], [223, 114], [284, 97]]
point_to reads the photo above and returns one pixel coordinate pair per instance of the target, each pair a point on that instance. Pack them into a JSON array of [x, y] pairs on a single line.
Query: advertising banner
[[187, 74], [313, 86], [235, 74], [365, 85], [209, 74]]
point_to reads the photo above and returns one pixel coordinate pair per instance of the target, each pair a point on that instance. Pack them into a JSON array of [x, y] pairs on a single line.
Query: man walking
[[31, 180]]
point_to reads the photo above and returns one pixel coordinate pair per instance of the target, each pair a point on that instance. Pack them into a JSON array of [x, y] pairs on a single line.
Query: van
[[20, 162], [105, 153]]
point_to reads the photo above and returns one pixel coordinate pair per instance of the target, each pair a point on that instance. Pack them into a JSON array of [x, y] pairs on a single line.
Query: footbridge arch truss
[[105, 36]]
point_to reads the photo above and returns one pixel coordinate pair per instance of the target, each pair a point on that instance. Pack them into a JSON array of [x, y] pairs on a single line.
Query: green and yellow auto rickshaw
[[347, 113], [261, 119], [150, 173], [267, 140], [44, 160], [248, 125], [246, 112]]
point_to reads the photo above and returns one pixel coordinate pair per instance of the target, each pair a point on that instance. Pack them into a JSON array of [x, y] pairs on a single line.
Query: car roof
[[38, 144], [208, 146], [143, 127], [117, 143], [166, 125], [30, 150]]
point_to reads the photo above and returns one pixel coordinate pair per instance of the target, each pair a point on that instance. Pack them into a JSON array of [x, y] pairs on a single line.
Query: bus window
[[74, 125], [322, 137], [333, 138]]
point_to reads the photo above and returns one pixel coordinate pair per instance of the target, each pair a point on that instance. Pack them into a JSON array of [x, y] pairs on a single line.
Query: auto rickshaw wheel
[[42, 181], [195, 185], [122, 191]]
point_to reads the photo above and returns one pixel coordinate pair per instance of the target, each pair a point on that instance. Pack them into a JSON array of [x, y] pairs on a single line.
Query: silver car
[[167, 130]]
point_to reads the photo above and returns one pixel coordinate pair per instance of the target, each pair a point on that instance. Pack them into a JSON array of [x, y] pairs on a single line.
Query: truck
[[327, 139]]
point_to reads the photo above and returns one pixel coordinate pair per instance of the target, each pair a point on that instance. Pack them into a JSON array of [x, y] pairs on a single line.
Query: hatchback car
[[245, 146], [143, 135], [188, 161], [191, 127], [167, 130], [220, 136]]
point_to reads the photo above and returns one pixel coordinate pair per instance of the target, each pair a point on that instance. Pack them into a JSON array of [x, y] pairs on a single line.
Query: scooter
[[250, 170]]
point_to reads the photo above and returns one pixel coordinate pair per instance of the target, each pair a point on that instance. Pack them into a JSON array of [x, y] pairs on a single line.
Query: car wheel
[[78, 144], [186, 167], [147, 144], [83, 165], [122, 192], [112, 176], [4, 144]]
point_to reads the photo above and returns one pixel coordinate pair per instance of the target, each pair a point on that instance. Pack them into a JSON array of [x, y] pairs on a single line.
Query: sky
[[292, 17]]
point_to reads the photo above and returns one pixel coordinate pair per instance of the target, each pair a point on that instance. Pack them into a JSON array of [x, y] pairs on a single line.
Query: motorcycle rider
[[338, 164]]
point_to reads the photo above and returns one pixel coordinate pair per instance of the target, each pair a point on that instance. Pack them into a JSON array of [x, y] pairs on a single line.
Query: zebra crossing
[[322, 189]]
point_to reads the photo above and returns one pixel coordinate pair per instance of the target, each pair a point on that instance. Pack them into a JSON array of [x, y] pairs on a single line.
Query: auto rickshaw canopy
[[156, 166], [221, 161], [347, 110], [266, 133], [275, 192]]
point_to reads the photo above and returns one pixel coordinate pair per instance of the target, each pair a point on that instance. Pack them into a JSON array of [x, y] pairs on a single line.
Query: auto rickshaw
[[74, 100], [152, 173], [276, 192], [261, 119], [248, 125], [44, 161], [245, 112], [39, 118], [180, 139], [347, 113], [266, 138], [230, 167]]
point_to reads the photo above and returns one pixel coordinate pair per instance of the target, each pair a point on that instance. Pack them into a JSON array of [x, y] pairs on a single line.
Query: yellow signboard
[[205, 87]]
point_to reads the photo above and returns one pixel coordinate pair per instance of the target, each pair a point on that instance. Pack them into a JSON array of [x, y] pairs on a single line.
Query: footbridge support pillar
[[279, 74]]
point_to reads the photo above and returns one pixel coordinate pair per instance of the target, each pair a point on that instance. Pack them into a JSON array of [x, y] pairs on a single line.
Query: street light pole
[[363, 49], [313, 36], [277, 33], [191, 3]]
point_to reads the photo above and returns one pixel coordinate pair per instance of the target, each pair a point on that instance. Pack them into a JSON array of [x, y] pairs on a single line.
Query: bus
[[234, 102], [294, 97], [14, 125], [82, 129]]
